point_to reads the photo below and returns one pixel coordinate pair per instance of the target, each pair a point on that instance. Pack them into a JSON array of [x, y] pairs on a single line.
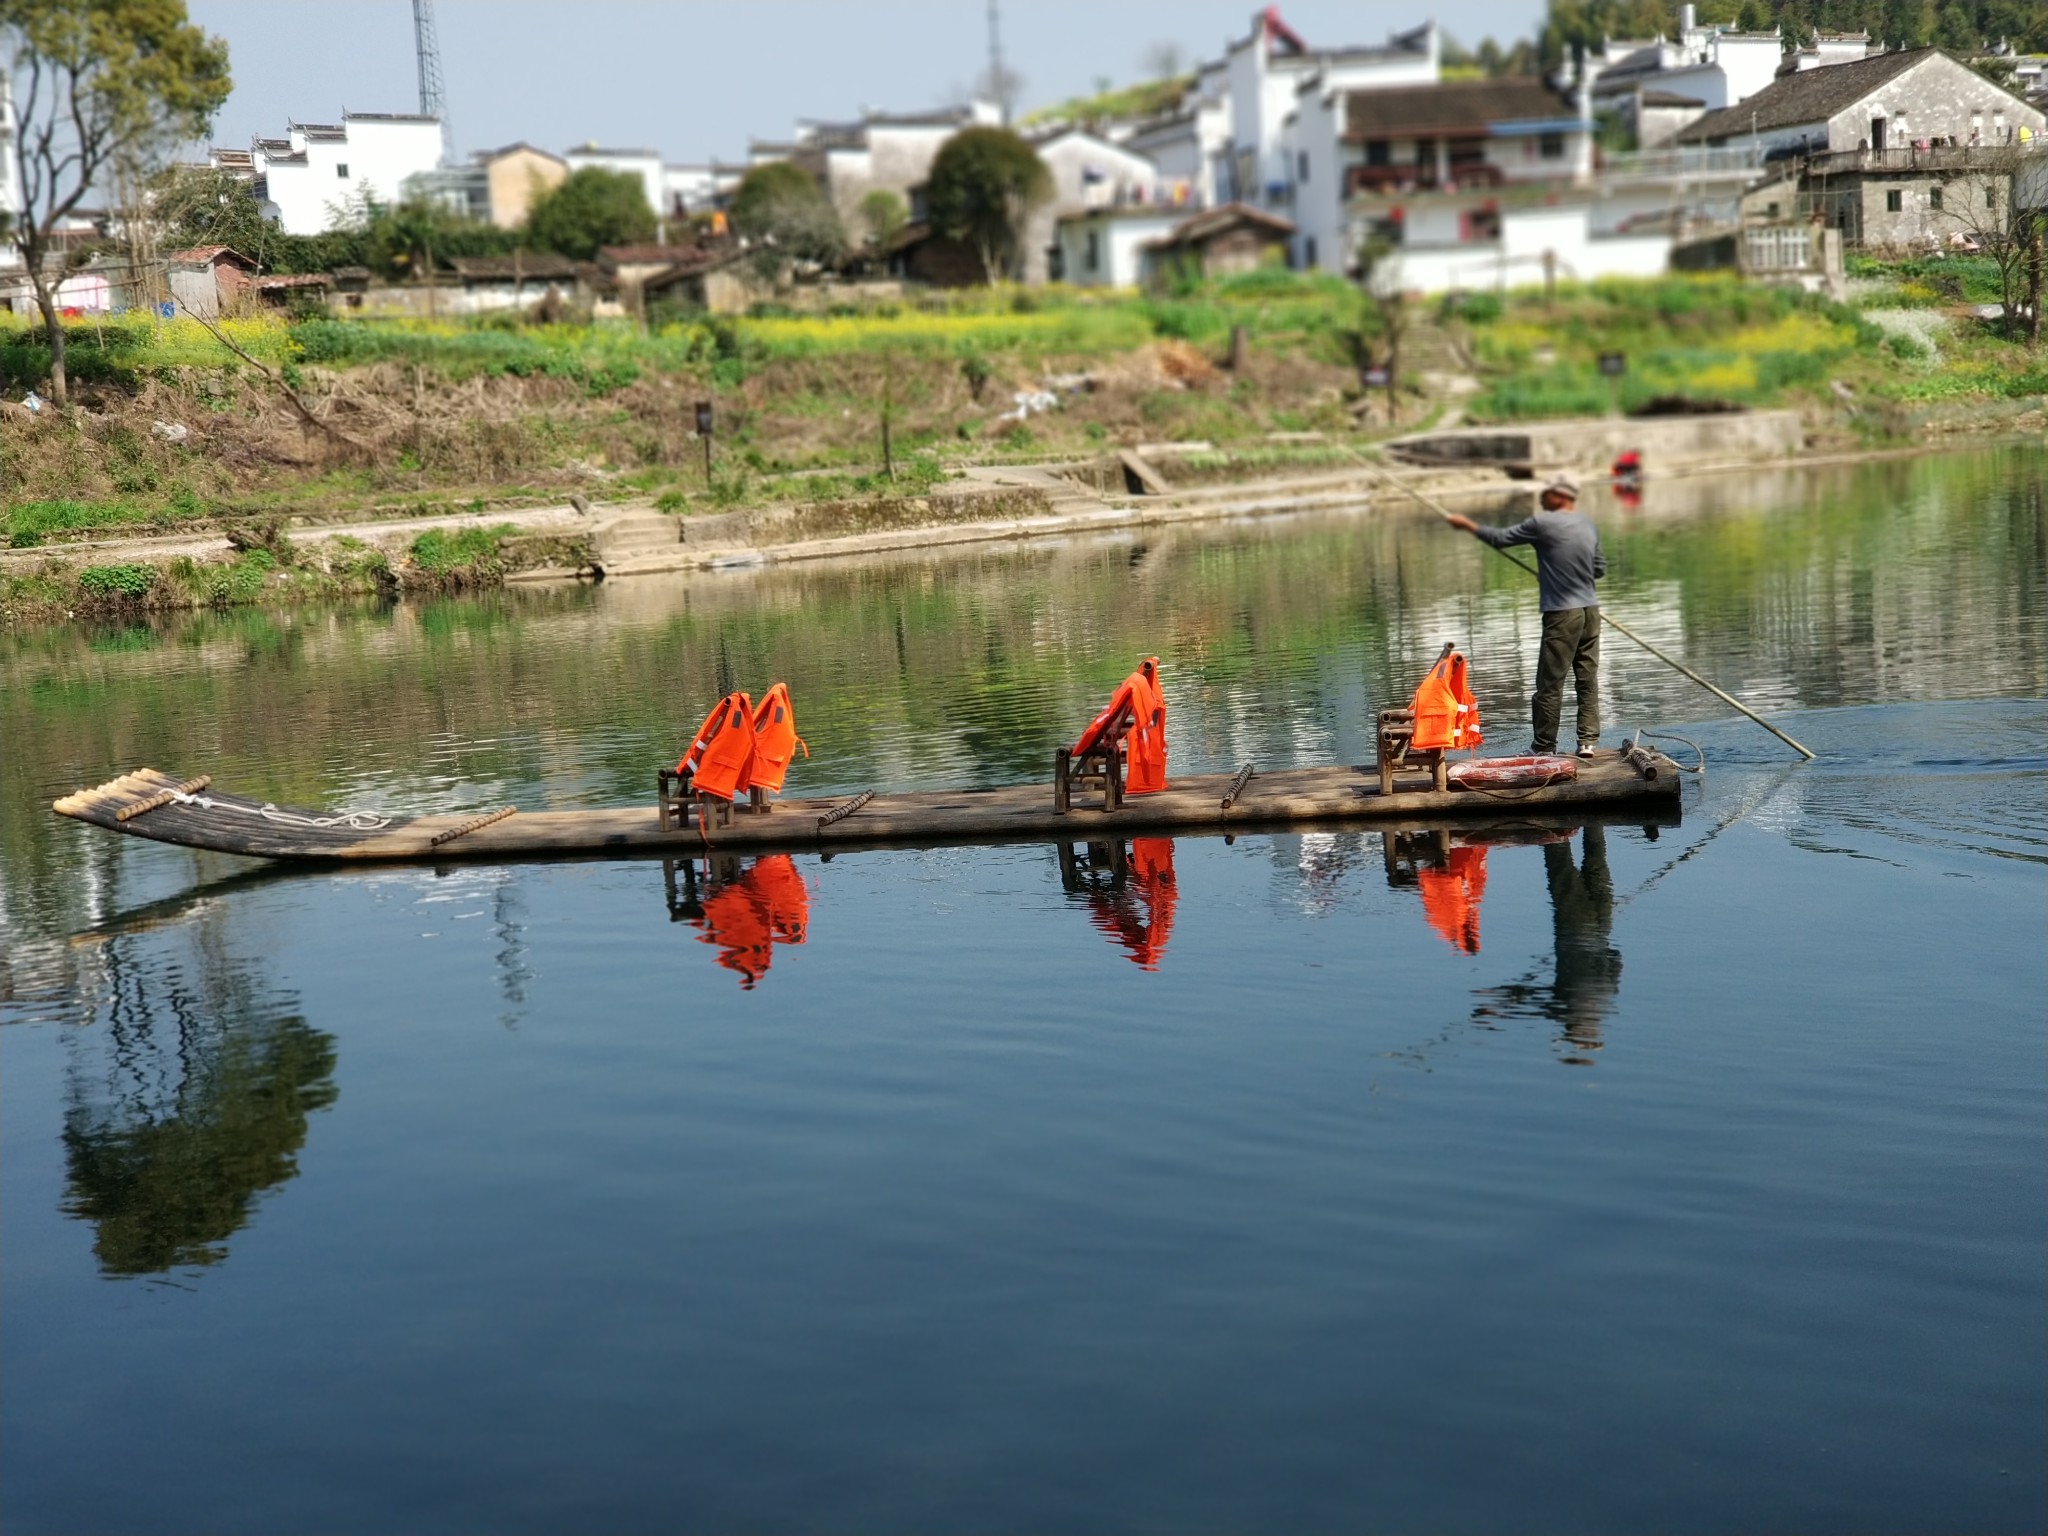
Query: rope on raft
[[355, 821]]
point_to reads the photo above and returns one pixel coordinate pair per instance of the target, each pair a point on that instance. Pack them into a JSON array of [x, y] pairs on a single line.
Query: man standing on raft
[[1568, 562]]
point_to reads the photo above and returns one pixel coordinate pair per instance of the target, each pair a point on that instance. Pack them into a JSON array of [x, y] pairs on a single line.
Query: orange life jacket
[[1146, 745], [1446, 714], [1096, 737], [1137, 697], [1450, 897], [721, 755], [775, 739]]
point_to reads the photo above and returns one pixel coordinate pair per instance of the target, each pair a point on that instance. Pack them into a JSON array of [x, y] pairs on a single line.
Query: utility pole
[[433, 95], [998, 84]]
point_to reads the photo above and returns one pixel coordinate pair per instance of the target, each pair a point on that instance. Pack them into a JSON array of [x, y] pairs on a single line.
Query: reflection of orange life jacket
[[784, 896], [768, 905], [721, 754], [775, 739], [1446, 714], [735, 921], [1142, 933], [1450, 897]]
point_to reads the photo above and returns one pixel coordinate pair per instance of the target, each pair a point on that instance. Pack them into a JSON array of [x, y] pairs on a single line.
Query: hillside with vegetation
[[349, 417]]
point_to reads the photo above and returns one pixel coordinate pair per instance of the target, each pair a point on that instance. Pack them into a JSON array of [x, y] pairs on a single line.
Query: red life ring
[[1511, 772]]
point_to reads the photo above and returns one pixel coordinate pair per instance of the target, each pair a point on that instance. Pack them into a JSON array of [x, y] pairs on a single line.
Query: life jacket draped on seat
[[775, 739], [1446, 714], [720, 759], [1144, 745]]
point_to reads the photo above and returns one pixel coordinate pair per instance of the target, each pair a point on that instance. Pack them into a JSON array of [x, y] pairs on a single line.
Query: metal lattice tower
[[996, 84], [427, 46]]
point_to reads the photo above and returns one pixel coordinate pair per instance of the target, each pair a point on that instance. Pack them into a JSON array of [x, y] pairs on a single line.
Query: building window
[[1991, 197], [341, 171], [1480, 224], [1308, 252], [1771, 210], [1934, 197], [1379, 152], [1091, 259], [1894, 201], [1301, 172], [1550, 146]]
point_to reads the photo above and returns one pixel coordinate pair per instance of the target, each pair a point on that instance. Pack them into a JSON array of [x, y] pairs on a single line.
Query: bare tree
[[1993, 205], [1385, 315], [99, 86], [1002, 85], [1164, 60]]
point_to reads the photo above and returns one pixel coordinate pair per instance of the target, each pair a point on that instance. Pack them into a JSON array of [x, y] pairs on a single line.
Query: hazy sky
[[697, 78]]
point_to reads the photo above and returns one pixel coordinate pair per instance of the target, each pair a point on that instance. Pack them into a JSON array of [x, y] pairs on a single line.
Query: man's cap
[[1564, 485]]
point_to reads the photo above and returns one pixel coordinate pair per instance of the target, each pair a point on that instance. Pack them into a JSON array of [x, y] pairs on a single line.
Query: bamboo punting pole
[[1607, 618]]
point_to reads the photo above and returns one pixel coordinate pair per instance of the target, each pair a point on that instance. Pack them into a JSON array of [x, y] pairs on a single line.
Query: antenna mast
[[427, 46], [998, 83]]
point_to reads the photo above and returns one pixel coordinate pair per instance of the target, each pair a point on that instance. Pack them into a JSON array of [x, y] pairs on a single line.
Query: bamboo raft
[[191, 813]]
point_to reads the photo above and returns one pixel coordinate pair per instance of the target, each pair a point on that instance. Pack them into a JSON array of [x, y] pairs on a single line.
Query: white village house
[[304, 178]]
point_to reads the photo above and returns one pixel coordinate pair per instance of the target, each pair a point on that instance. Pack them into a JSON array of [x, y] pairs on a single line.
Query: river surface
[[1603, 1177]]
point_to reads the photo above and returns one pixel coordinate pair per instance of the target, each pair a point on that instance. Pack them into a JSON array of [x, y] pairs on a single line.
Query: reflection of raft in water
[[147, 803]]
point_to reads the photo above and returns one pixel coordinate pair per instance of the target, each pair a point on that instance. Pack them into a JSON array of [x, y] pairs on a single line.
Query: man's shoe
[[1587, 748], [1537, 749]]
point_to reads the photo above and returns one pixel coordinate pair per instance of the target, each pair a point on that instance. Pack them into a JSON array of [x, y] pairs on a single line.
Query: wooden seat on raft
[[1100, 767], [1440, 717], [1396, 749], [1123, 751], [675, 796]]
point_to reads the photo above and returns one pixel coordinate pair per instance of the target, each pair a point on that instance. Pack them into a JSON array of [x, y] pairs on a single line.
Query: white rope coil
[[355, 821]]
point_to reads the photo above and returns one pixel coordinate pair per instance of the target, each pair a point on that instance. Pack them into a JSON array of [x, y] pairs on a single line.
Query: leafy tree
[[780, 208], [415, 236], [984, 184], [591, 208], [99, 85], [884, 214], [204, 205], [1961, 26]]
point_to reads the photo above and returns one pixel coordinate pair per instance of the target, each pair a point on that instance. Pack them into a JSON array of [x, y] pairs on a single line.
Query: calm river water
[[1682, 1178]]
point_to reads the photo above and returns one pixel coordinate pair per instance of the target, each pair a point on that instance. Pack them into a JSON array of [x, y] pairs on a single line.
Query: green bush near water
[[132, 582], [444, 552]]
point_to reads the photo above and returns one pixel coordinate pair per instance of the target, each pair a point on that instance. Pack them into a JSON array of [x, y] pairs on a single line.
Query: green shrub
[[1479, 308], [118, 581], [440, 551]]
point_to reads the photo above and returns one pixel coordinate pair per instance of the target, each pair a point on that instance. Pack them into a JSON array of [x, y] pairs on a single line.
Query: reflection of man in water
[[1588, 972], [1582, 918]]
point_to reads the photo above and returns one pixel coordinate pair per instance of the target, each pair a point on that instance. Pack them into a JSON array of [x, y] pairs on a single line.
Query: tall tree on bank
[[593, 207], [984, 184], [97, 84], [779, 207]]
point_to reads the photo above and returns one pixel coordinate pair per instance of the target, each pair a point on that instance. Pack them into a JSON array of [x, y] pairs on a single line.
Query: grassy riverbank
[[340, 420]]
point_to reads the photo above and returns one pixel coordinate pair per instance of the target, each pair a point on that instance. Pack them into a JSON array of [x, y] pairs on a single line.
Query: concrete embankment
[[1664, 443], [1151, 484]]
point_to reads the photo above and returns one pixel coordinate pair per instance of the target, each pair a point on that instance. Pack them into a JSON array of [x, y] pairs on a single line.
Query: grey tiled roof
[[1810, 96]]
